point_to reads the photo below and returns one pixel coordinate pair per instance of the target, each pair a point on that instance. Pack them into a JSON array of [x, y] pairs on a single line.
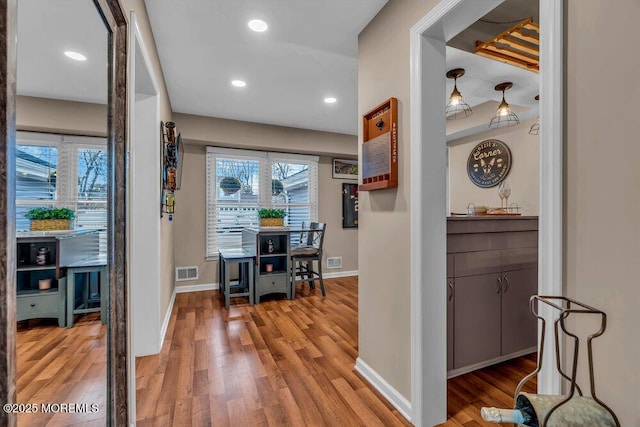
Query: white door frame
[[143, 203], [428, 193]]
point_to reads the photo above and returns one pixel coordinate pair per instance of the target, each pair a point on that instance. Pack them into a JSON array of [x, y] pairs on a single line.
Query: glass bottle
[[524, 416]]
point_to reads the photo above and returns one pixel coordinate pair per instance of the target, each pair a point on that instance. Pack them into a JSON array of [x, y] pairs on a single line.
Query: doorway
[[428, 42]]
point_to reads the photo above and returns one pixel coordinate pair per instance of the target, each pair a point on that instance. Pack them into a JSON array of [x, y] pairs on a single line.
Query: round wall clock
[[489, 163]]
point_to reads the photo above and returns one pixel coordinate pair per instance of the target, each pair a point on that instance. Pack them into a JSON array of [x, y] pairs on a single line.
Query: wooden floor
[[60, 365], [278, 363], [492, 386]]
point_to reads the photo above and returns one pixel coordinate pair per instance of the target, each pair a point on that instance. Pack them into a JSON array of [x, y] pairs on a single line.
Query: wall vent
[[186, 273], [334, 262]]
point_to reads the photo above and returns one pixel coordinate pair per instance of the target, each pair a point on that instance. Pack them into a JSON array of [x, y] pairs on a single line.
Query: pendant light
[[535, 128], [456, 107], [504, 117]]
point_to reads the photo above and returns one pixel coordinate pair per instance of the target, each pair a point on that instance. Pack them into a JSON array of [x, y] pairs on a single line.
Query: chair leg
[[320, 277], [310, 278], [292, 280]]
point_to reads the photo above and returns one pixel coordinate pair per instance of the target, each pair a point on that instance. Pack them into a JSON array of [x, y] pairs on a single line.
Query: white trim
[[460, 371], [167, 319], [181, 289], [438, 26], [550, 234], [392, 395], [339, 274]]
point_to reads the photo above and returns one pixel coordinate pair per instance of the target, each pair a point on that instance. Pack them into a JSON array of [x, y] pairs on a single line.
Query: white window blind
[[239, 182], [62, 171]]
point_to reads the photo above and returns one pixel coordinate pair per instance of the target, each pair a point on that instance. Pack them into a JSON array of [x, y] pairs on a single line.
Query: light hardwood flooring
[[491, 386], [278, 363], [60, 365]]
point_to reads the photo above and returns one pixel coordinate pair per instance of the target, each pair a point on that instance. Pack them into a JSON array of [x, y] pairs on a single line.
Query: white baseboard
[[167, 317], [466, 369], [339, 274], [386, 390], [197, 288]]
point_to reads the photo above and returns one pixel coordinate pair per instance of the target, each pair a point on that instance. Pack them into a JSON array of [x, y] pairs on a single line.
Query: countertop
[[58, 234], [488, 217]]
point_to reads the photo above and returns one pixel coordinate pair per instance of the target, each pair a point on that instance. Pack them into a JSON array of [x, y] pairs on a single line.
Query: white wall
[[524, 175]]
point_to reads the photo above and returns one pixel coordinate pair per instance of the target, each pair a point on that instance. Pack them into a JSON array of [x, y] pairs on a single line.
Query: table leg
[[71, 295], [104, 293]]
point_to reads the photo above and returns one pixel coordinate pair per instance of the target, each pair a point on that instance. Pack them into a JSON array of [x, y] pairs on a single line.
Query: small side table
[[87, 266], [244, 286]]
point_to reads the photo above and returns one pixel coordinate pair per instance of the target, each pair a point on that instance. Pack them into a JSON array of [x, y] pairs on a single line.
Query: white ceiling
[[48, 28], [308, 53]]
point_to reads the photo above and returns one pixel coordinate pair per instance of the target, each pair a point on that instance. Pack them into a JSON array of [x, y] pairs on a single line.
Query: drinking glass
[[501, 193], [506, 189]]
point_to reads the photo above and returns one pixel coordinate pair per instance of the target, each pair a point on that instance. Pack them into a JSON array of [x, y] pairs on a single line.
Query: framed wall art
[[345, 169], [349, 205], [380, 147]]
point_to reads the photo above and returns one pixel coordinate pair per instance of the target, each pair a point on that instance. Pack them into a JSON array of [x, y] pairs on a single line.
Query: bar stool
[[246, 271]]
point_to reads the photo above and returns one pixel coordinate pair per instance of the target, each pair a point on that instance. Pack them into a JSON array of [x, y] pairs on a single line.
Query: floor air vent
[[334, 262], [186, 273]]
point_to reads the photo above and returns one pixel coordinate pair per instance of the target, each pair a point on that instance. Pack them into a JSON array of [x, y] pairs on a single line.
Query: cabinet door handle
[[450, 290], [499, 284], [33, 304], [506, 284]]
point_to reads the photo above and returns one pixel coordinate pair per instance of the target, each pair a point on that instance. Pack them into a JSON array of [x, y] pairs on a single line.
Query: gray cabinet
[[519, 327], [491, 274], [477, 319], [38, 268], [40, 271], [491, 310], [270, 245]]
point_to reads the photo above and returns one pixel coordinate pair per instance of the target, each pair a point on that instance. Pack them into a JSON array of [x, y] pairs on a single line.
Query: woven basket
[[50, 224], [271, 222]]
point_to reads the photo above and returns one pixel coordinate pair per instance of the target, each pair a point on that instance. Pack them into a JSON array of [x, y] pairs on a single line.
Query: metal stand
[[592, 410]]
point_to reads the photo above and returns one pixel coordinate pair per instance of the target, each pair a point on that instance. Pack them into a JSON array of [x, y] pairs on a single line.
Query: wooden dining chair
[[303, 256]]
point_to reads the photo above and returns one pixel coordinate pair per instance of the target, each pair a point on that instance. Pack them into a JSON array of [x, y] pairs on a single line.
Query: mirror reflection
[[61, 212]]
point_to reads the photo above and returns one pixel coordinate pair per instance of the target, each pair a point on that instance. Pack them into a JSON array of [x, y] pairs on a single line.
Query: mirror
[[61, 162], [73, 156]]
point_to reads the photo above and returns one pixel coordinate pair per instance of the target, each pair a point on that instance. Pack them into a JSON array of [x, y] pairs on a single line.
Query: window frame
[[68, 147], [265, 200]]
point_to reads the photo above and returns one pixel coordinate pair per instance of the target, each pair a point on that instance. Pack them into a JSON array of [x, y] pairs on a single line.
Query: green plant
[[50, 213], [271, 213]]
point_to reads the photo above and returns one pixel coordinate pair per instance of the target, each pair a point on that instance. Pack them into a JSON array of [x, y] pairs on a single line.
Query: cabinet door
[[476, 319], [450, 308], [519, 326]]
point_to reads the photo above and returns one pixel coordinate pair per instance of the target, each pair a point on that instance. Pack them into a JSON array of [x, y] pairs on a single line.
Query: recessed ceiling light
[[258, 25], [330, 100], [75, 55], [238, 83]]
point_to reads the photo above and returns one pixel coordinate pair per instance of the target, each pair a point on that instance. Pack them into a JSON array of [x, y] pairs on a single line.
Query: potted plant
[[230, 185], [45, 219], [271, 217]]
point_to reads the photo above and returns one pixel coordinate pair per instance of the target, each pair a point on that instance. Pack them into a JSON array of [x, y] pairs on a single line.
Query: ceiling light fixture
[[238, 83], [504, 117], [258, 25], [330, 100], [75, 55], [535, 128], [456, 107]]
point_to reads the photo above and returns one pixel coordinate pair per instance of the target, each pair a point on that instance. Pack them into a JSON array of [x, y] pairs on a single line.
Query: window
[[239, 182], [62, 171]]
